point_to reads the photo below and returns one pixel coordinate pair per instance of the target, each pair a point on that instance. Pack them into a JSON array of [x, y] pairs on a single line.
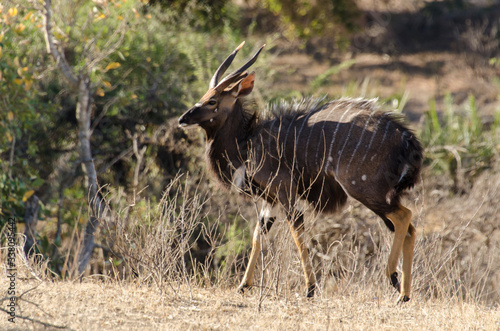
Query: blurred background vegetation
[[159, 57]]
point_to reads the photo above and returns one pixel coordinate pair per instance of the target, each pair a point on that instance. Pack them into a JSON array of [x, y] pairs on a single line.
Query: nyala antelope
[[311, 150]]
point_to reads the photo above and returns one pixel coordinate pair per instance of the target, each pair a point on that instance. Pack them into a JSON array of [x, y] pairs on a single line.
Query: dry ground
[[111, 306], [422, 76]]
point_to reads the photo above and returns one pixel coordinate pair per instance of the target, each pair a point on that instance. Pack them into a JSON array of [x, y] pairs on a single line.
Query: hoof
[[242, 288], [310, 291], [403, 298], [395, 281]]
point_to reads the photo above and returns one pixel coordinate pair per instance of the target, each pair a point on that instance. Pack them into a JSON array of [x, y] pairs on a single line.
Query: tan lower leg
[[248, 277], [297, 233], [401, 220], [408, 247]]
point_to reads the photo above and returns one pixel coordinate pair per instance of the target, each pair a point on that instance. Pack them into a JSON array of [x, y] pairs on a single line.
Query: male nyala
[[310, 150]]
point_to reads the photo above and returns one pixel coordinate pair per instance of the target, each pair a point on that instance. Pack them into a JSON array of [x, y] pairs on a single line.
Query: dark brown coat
[[318, 151]]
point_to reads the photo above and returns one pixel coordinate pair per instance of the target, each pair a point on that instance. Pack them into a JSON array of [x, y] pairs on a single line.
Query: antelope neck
[[223, 150]]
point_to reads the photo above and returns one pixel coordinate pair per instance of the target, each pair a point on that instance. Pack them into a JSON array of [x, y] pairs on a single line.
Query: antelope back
[[345, 144]]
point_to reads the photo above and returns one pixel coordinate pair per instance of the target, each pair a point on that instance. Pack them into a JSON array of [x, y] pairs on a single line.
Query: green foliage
[[458, 144], [13, 194], [312, 18], [146, 63], [23, 113], [236, 239], [494, 62], [201, 15]]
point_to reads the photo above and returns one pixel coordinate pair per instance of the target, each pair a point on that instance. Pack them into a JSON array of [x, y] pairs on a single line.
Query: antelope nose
[[181, 121]]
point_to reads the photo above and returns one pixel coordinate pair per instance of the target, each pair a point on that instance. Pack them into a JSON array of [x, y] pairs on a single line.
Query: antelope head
[[215, 106]]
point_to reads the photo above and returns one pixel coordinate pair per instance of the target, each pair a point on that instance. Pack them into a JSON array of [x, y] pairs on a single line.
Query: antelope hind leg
[[404, 240], [408, 246]]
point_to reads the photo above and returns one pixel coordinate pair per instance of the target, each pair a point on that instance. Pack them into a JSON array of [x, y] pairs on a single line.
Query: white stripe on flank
[[330, 158], [323, 127], [307, 144], [311, 132], [403, 136], [271, 135], [286, 135], [346, 140], [360, 140], [383, 138], [385, 132], [374, 133], [298, 136]]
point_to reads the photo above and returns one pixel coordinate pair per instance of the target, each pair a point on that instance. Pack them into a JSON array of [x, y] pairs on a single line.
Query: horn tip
[[240, 46]]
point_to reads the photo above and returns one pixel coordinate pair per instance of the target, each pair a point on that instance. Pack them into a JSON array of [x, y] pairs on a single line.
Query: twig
[[126, 153], [20, 298], [37, 321], [109, 250]]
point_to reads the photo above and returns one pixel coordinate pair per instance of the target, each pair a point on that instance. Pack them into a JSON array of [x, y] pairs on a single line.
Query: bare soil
[[423, 76]]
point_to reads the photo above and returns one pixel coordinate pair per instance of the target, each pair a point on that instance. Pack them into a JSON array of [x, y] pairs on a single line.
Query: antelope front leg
[[296, 224], [266, 220], [404, 239]]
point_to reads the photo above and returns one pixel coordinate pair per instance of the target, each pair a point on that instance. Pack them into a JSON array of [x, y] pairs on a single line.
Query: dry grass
[[130, 306], [456, 271], [456, 274]]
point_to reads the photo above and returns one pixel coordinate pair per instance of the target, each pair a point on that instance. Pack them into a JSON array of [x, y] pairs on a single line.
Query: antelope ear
[[245, 87]]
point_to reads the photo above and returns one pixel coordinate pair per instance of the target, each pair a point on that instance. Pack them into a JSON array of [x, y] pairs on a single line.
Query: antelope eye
[[212, 102]]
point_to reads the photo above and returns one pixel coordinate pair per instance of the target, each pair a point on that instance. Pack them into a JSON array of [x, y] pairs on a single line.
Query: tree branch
[[52, 49]]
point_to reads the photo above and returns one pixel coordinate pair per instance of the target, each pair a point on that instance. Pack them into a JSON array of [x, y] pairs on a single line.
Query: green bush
[[148, 63], [306, 19], [458, 144]]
